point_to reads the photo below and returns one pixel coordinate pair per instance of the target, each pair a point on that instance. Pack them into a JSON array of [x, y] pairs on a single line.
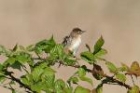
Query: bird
[[72, 41]]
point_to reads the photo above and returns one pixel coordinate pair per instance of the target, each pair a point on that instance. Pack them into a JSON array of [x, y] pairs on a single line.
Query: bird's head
[[77, 32]]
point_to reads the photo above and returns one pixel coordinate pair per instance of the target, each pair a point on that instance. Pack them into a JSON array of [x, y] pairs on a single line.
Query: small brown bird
[[73, 41]]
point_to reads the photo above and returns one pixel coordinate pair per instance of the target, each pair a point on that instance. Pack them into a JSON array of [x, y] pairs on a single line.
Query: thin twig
[[18, 81], [108, 79], [113, 80]]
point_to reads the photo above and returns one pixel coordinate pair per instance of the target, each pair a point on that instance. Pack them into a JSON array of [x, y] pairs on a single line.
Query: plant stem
[[19, 82]]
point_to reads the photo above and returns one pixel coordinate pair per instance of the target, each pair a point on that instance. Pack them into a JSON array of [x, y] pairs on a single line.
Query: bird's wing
[[66, 41]]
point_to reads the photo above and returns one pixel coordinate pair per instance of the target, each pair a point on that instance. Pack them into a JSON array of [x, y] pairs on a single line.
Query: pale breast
[[75, 44]]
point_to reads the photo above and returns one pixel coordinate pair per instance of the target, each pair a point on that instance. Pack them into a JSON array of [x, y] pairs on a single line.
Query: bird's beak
[[83, 31]]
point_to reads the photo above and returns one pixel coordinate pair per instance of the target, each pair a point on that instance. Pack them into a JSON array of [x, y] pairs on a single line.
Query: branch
[[18, 81], [108, 79], [74, 66]]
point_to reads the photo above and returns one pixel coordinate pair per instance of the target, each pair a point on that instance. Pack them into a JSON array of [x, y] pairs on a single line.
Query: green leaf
[[41, 64], [74, 80], [49, 81], [21, 47], [44, 45], [69, 60], [88, 56], [4, 51], [99, 88], [60, 86], [68, 90], [83, 78], [16, 65], [23, 57], [81, 72], [80, 89], [25, 80], [13, 91], [47, 89], [134, 69], [112, 68], [48, 76], [2, 78], [36, 73], [57, 51], [37, 87], [123, 68], [52, 41], [134, 66], [1, 67], [121, 77], [30, 48], [2, 74], [100, 53], [11, 60], [82, 75], [98, 45], [17, 60], [1, 49], [134, 89], [49, 71], [15, 47]]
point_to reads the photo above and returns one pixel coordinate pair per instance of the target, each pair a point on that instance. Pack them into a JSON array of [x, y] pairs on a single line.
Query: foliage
[[36, 62]]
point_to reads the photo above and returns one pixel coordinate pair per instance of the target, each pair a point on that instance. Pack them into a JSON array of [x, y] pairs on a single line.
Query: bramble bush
[[37, 61]]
